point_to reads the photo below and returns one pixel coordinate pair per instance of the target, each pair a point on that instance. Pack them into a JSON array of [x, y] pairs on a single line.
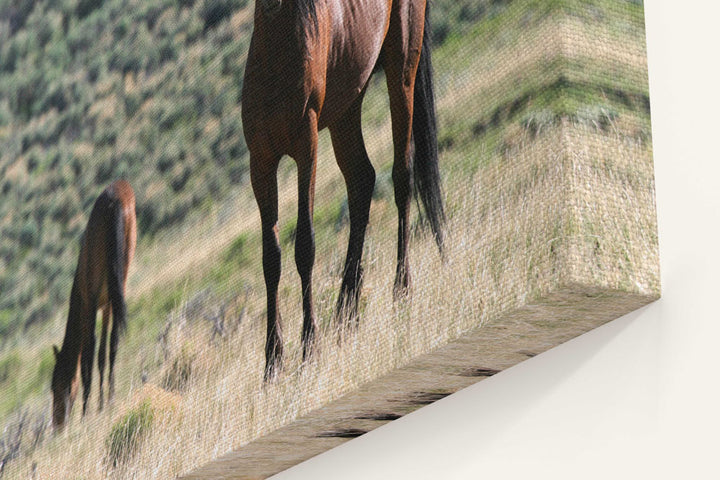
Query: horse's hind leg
[[306, 158], [114, 341], [88, 354], [359, 176], [102, 354], [263, 175], [401, 52]]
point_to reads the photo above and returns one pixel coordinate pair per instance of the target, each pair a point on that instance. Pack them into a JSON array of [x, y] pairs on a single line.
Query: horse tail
[[115, 245], [426, 170]]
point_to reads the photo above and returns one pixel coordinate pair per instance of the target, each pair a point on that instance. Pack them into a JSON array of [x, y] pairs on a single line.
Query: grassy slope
[[469, 78], [102, 102]]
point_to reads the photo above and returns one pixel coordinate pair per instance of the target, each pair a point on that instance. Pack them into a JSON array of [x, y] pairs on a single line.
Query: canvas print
[[235, 234]]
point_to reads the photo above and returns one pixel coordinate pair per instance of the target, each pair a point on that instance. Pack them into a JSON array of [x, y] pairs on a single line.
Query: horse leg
[[87, 355], [306, 160], [359, 174], [401, 52], [114, 341], [263, 176], [101, 352], [116, 277]]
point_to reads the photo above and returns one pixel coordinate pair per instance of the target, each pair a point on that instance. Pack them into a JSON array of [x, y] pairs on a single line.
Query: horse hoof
[[401, 292], [272, 372]]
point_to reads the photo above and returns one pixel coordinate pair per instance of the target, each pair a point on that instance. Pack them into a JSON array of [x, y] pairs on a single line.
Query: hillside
[[92, 91]]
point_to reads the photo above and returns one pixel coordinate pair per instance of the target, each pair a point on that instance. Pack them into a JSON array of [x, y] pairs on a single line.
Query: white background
[[637, 398]]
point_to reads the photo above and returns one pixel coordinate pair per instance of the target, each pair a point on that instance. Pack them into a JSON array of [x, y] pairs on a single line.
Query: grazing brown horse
[[308, 68], [106, 250]]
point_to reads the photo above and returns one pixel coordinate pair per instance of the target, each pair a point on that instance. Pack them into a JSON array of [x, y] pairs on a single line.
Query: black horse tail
[[115, 245], [426, 174]]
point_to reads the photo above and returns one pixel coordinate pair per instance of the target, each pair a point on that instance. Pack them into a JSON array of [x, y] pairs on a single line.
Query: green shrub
[[177, 376], [9, 56], [128, 432], [57, 54], [86, 7], [5, 114], [132, 104], [37, 315], [287, 232], [121, 28], [29, 234], [6, 321], [215, 11], [538, 120], [25, 89], [16, 13], [237, 253], [47, 364], [10, 364], [597, 116], [180, 179]]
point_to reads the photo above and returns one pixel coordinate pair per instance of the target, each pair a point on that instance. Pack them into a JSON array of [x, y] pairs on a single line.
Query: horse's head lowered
[[65, 381]]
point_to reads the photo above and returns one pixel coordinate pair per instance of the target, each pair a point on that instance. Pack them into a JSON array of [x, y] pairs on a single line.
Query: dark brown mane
[[307, 15]]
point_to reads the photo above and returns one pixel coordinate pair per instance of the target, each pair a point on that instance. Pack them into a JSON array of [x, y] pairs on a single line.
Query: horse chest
[[273, 98]]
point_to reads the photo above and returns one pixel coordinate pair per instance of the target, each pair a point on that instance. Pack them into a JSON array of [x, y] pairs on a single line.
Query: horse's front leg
[[263, 175], [306, 159], [401, 113], [88, 352], [401, 54], [102, 353], [359, 176]]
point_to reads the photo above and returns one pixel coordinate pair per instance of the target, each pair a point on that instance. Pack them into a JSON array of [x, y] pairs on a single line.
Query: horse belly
[[359, 29]]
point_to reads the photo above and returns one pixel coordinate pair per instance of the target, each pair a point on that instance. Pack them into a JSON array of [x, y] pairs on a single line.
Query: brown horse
[[308, 68], [106, 249]]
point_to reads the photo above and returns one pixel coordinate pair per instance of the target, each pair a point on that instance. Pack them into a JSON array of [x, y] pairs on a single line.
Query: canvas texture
[[545, 160]]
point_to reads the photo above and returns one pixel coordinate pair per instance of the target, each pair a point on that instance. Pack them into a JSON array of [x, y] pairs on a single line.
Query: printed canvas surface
[[235, 234]]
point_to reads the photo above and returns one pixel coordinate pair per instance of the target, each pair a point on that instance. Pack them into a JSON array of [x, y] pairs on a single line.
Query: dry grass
[[612, 185]]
